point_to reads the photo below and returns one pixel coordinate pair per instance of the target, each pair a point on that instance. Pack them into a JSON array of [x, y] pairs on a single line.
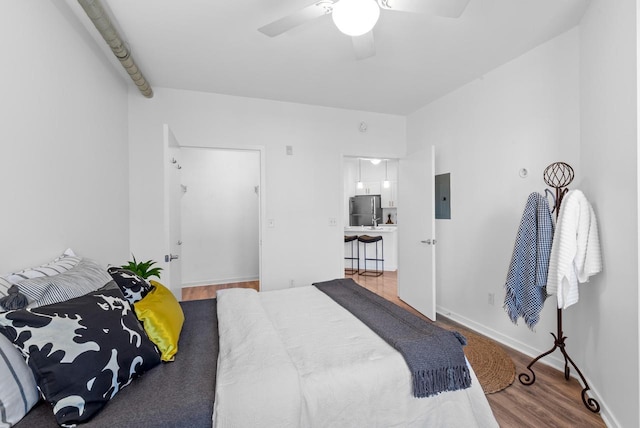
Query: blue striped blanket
[[527, 277]]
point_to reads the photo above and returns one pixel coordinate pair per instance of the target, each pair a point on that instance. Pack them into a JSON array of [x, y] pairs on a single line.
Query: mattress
[[295, 358]]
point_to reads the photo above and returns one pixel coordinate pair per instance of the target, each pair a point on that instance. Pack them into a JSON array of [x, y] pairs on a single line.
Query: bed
[[296, 358], [289, 358]]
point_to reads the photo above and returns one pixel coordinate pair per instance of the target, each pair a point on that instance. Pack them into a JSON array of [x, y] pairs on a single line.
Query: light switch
[[271, 223], [289, 150]]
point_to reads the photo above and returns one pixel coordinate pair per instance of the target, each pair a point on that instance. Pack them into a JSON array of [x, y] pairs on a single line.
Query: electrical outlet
[[492, 299], [292, 283], [333, 221]]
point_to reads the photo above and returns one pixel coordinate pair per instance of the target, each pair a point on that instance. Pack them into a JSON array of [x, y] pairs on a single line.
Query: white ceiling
[[214, 46]]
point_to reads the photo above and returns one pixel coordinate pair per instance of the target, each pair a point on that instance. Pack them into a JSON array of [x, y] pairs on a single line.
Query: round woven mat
[[493, 367]]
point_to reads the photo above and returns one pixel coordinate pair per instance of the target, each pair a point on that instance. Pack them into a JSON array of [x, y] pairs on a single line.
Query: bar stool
[[367, 240], [353, 239]]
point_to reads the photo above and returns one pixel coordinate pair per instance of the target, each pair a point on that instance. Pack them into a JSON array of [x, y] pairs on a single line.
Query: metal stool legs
[[353, 240], [366, 239]]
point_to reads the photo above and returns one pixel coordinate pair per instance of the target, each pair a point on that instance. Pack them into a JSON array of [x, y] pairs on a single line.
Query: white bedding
[[295, 358]]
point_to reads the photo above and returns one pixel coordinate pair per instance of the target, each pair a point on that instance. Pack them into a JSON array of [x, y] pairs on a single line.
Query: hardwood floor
[[550, 402], [209, 291]]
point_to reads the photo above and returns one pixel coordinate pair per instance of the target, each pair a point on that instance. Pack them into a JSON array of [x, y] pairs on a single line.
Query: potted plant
[[143, 269]]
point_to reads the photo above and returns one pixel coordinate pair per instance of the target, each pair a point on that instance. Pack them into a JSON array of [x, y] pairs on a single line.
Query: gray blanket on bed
[[434, 355]]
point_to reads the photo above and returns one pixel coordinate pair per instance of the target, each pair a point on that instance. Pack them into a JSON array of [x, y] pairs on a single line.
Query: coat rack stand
[[559, 175]]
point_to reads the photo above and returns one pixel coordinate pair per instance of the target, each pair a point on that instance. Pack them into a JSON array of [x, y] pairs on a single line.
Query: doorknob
[[169, 257], [427, 241]]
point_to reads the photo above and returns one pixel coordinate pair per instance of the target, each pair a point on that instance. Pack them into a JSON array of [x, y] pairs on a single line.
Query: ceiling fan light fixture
[[355, 17]]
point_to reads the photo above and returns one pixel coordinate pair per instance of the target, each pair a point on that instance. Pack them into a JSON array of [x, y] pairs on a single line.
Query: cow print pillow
[[81, 351], [133, 286]]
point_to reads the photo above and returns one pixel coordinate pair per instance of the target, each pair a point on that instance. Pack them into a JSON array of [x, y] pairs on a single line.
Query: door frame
[[343, 220], [170, 145]]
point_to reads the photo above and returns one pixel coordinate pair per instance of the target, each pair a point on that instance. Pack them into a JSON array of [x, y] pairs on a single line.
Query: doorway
[[220, 216], [409, 199], [370, 189]]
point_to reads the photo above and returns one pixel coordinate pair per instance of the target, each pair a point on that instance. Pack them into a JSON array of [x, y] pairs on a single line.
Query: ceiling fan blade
[[444, 8], [364, 46], [299, 17]]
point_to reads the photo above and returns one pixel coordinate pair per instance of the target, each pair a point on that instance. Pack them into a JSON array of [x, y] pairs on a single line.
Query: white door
[[173, 196], [416, 232]]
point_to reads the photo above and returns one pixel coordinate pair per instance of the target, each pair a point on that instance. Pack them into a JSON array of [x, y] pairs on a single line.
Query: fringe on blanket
[[427, 383]]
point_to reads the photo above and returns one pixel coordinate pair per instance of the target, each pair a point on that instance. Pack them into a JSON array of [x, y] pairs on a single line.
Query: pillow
[[61, 264], [81, 351], [18, 390], [83, 278], [133, 286], [5, 285], [162, 318]]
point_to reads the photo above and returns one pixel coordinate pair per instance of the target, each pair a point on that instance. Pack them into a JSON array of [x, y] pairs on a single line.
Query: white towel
[[575, 253]]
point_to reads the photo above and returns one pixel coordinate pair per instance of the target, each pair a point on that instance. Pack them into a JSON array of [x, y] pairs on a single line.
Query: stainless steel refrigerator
[[363, 209]]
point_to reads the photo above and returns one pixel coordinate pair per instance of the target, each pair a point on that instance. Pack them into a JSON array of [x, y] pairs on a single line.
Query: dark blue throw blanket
[[434, 355]]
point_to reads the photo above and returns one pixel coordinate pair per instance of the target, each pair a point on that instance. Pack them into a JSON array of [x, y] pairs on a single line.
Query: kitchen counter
[[389, 237], [368, 230]]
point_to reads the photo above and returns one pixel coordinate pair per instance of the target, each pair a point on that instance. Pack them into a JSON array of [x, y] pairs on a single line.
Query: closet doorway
[[220, 216]]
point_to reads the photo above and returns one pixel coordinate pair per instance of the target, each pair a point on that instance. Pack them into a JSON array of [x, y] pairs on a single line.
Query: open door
[[416, 233], [172, 277]]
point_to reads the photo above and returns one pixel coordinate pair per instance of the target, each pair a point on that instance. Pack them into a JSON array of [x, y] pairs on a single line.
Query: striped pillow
[[61, 264], [85, 277], [18, 390], [4, 288]]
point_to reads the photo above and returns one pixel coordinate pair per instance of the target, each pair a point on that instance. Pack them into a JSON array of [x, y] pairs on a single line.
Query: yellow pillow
[[162, 318]]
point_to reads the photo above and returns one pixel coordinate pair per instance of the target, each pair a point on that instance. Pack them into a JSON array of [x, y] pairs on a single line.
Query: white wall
[[571, 99], [521, 115], [524, 114], [606, 320], [64, 176], [219, 216], [301, 192]]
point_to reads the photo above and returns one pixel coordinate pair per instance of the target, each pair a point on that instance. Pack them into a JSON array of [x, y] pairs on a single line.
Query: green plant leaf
[[143, 269]]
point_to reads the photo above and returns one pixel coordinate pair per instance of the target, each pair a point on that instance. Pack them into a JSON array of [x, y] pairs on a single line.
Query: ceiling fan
[[357, 18]]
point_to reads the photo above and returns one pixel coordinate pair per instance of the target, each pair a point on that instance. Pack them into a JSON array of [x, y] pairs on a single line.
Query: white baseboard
[[550, 360]]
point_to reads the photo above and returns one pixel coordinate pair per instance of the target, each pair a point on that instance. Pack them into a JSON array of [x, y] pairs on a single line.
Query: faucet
[[374, 219]]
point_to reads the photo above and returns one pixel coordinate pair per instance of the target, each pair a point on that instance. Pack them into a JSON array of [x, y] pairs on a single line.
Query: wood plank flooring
[[209, 291], [550, 402]]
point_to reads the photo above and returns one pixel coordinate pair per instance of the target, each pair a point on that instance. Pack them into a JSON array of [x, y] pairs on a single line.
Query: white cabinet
[[390, 195], [369, 188]]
